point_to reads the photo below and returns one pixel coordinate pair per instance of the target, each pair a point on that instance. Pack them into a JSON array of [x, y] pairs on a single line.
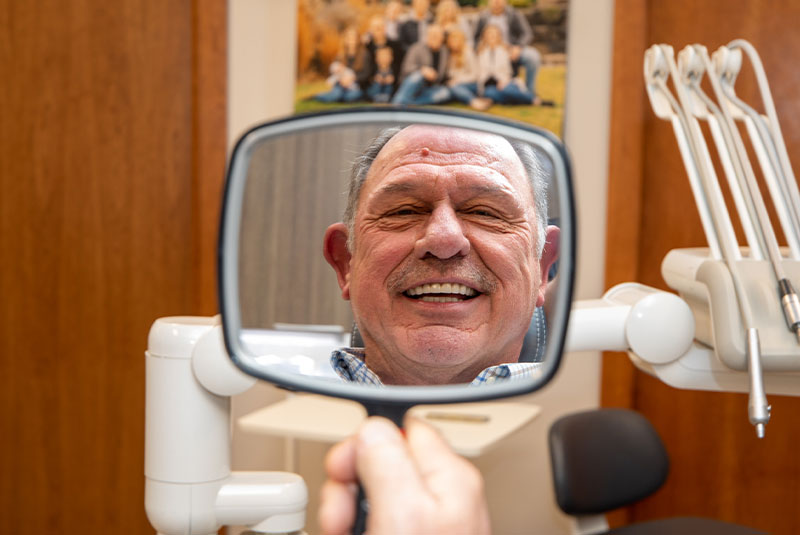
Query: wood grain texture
[[209, 110], [719, 468], [96, 234], [623, 233]]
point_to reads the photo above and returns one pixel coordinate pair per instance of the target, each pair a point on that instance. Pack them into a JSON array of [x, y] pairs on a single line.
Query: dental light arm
[[189, 486]]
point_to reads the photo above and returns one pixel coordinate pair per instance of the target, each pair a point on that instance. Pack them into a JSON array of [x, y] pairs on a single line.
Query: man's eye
[[481, 212], [403, 212]]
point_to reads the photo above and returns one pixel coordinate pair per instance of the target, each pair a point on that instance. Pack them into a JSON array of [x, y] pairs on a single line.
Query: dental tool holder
[[706, 285], [189, 486], [744, 302]]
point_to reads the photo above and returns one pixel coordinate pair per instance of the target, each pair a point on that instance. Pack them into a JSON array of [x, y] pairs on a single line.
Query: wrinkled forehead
[[441, 145]]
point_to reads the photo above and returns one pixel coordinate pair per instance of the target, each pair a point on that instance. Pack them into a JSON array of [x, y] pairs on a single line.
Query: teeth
[[444, 288], [434, 299]]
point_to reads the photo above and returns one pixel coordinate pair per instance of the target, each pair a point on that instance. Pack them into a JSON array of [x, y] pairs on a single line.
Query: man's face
[[383, 57], [434, 38], [443, 277], [377, 28], [420, 7], [496, 7]]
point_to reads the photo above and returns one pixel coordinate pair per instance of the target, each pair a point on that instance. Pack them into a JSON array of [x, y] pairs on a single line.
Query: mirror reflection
[[386, 254]]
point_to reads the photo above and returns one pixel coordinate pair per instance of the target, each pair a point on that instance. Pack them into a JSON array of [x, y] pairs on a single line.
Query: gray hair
[[526, 153]]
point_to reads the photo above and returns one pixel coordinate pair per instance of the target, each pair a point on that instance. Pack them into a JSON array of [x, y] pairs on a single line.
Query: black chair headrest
[[603, 459]]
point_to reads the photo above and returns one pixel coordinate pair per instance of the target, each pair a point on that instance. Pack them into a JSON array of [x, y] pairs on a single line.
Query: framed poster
[[503, 57]]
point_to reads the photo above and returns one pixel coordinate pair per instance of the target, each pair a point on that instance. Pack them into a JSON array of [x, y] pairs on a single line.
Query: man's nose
[[443, 235]]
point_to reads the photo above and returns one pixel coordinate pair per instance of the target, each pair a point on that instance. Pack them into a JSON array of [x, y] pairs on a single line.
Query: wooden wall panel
[[623, 234], [98, 168], [209, 149], [719, 467]]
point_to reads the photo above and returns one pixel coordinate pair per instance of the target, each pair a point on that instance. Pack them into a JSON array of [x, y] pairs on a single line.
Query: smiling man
[[443, 253]]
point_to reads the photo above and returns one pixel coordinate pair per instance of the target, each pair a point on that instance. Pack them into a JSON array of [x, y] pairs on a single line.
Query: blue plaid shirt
[[349, 364]]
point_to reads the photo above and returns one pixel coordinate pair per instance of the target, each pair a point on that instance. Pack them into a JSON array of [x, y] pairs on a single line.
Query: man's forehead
[[446, 145]]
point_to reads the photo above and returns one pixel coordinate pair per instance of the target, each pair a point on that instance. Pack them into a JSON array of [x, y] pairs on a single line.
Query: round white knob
[[660, 328]]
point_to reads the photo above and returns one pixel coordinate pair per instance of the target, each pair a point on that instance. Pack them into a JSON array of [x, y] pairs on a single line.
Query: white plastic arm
[[658, 326], [189, 486]]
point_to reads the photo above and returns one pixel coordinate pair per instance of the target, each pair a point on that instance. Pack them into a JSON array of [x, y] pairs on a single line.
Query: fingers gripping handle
[[395, 413]]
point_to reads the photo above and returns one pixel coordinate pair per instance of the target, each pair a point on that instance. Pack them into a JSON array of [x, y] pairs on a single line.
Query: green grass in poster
[[550, 84]]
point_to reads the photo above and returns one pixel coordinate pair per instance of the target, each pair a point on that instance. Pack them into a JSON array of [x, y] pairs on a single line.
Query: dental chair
[[608, 458]]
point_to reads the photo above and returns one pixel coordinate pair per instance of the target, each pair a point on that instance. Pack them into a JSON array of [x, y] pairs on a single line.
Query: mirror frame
[[228, 253]]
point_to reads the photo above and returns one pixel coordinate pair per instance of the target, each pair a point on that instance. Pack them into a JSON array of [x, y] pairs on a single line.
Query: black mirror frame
[[394, 395]]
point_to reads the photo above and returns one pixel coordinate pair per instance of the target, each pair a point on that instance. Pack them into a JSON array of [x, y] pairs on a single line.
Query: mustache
[[413, 270]]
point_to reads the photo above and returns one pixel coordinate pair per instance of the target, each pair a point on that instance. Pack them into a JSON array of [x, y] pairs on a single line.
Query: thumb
[[440, 469], [454, 483], [387, 472]]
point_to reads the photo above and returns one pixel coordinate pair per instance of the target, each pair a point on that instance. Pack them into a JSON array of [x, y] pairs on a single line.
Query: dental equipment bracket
[[706, 284]]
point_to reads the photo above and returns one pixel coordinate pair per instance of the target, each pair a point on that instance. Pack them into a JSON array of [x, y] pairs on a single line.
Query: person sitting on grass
[[393, 19], [424, 68], [462, 71], [382, 86], [375, 39], [495, 80], [517, 34], [448, 16], [346, 71], [415, 27]]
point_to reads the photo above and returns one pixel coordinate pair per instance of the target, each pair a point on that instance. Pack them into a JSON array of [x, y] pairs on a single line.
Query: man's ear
[[549, 256], [338, 256]]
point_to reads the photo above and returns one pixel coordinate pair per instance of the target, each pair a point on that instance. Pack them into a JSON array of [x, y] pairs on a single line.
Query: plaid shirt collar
[[349, 364]]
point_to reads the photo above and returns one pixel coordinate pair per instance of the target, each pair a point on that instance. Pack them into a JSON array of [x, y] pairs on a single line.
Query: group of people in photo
[[437, 56]]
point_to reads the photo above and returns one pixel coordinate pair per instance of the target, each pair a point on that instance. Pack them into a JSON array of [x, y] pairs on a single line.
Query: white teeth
[[443, 288], [433, 299]]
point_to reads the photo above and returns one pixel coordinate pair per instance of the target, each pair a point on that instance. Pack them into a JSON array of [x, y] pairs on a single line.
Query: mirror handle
[[395, 413], [362, 508]]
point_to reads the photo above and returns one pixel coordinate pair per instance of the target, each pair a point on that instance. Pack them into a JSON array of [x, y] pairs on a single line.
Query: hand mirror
[[447, 267]]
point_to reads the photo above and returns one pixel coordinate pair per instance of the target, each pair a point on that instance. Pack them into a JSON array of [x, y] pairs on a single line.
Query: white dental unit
[[733, 325]]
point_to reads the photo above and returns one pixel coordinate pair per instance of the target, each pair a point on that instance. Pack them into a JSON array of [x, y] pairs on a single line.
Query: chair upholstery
[[604, 459], [608, 458]]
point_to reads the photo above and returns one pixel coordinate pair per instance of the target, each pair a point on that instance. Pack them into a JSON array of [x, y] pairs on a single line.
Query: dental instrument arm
[[692, 70], [189, 486], [772, 118], [661, 334], [787, 295], [777, 170], [656, 73], [659, 60], [765, 150]]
